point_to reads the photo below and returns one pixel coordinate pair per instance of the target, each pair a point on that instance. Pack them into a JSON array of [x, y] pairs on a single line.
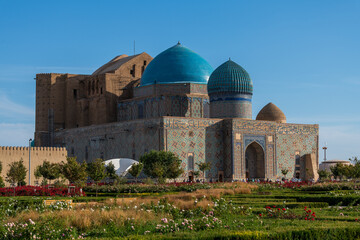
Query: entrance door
[[221, 176], [191, 178], [255, 161]]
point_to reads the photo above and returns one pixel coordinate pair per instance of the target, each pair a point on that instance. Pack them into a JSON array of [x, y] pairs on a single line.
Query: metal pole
[[29, 161], [325, 148]]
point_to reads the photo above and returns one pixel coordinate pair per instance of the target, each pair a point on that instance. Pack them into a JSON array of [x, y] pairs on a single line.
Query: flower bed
[[143, 188], [291, 185], [40, 191]]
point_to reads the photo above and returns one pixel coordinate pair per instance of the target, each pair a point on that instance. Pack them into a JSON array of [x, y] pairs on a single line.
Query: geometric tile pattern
[[199, 88], [175, 106], [286, 147], [181, 106], [196, 108], [222, 142]]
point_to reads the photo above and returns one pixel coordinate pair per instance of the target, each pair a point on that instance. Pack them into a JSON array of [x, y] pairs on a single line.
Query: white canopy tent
[[122, 165]]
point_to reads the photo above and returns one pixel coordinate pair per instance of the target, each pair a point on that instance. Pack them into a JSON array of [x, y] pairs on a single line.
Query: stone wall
[[153, 107], [182, 100], [65, 101], [222, 142], [114, 140], [38, 155]]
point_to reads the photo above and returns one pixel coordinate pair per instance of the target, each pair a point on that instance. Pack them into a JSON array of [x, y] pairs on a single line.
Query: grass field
[[230, 211]]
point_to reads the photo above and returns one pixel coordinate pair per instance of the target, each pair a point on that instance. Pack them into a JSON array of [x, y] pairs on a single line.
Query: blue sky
[[303, 56]]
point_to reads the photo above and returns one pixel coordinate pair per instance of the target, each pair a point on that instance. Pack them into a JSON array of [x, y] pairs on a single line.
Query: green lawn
[[241, 216]]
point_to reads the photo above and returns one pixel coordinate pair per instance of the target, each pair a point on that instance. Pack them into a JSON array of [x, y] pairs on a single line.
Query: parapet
[[7, 149]]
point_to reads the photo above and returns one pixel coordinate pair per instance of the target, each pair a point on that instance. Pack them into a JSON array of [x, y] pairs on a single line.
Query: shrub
[[39, 191]]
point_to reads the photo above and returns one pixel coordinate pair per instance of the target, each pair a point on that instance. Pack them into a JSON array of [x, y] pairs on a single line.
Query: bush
[[142, 188], [329, 187], [39, 191]]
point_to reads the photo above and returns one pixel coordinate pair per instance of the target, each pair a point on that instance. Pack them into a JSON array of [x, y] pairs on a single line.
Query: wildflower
[[260, 214], [284, 209], [341, 214], [31, 221]]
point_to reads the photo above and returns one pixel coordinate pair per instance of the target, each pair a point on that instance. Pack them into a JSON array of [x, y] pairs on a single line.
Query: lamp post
[[30, 140], [325, 148]]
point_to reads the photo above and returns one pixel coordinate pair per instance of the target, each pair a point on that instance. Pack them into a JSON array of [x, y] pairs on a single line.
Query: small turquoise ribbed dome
[[230, 77], [177, 64]]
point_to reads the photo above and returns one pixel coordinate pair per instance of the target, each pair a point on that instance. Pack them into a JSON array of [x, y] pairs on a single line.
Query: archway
[[255, 161]]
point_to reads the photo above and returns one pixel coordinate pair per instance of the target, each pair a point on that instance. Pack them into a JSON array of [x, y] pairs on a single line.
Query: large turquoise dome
[[177, 64], [230, 77]]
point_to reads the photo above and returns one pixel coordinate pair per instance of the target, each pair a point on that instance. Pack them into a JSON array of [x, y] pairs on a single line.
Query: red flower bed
[[287, 184], [40, 191], [308, 214], [283, 213]]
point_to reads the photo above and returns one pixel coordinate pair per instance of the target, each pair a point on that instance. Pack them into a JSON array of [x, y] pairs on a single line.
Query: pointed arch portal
[[255, 161]]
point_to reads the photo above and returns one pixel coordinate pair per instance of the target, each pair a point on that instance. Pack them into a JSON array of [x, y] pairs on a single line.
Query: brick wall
[[38, 155]]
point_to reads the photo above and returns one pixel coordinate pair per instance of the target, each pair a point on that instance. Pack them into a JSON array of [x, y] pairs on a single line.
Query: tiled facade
[[222, 142], [182, 100]]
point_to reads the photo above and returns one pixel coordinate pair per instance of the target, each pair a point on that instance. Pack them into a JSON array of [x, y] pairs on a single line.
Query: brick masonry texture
[[38, 155]]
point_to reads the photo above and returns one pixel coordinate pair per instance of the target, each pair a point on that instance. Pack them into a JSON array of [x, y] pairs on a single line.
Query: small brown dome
[[271, 113]]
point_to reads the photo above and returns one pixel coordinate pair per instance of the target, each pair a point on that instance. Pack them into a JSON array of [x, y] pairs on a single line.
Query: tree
[[158, 171], [96, 171], [37, 173], [74, 171], [204, 167], [111, 172], [356, 167], [174, 169], [136, 169], [323, 174], [195, 174], [341, 170], [2, 184], [49, 171], [284, 172], [161, 165], [17, 173]]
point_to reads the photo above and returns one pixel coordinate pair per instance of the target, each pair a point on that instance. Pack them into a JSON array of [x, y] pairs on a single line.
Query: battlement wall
[[37, 156]]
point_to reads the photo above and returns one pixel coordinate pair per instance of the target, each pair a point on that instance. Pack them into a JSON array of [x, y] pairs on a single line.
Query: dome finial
[[229, 59], [178, 43]]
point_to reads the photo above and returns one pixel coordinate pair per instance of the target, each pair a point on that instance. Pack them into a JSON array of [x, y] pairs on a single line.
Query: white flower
[[31, 221]]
